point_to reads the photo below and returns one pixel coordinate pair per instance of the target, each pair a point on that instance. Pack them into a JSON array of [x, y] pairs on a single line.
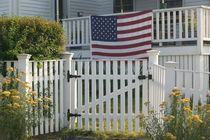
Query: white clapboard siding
[[111, 90], [4, 7]]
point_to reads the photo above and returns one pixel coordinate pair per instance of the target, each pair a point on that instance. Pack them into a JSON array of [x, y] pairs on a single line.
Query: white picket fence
[[109, 95]]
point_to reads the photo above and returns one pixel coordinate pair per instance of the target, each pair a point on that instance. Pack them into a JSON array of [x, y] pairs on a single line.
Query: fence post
[[66, 86], [170, 78], [153, 56], [23, 65]]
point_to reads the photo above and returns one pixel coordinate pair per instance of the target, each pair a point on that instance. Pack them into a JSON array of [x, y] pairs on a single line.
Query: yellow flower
[[6, 93], [171, 94], [0, 83], [0, 90], [187, 109], [20, 75], [203, 138], [169, 134], [23, 72], [47, 99], [208, 111], [147, 103], [164, 118], [186, 100], [27, 98], [10, 69], [16, 105], [17, 79], [171, 117], [140, 116], [21, 103], [175, 90], [165, 102], [39, 99], [173, 137], [10, 105], [196, 118], [34, 93], [46, 106], [16, 97], [152, 111]]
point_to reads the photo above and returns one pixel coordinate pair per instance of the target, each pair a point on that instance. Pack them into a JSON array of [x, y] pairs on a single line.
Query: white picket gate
[[108, 95]]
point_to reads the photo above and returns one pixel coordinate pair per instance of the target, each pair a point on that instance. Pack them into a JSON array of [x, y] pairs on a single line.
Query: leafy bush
[[179, 121], [32, 35], [19, 108]]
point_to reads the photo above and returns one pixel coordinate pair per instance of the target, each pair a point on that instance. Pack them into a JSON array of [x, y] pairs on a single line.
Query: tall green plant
[[18, 107], [179, 121]]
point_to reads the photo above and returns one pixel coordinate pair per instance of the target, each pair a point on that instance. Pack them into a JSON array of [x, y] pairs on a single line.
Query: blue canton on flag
[[104, 28]]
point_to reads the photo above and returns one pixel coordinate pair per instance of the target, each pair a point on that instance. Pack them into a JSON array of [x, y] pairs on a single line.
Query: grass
[[102, 135]]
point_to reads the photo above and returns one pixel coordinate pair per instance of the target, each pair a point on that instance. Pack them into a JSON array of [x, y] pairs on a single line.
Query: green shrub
[[36, 36]]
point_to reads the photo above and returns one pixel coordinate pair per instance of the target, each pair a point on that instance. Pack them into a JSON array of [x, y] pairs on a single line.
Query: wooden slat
[[180, 24], [163, 25], [56, 97], [78, 32], [61, 94], [192, 23], [101, 96], [108, 104], [83, 31], [51, 76], [46, 120], [86, 94], [93, 95], [74, 32], [157, 27]]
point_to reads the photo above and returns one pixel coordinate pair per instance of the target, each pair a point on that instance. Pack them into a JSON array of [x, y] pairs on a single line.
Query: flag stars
[[104, 28]]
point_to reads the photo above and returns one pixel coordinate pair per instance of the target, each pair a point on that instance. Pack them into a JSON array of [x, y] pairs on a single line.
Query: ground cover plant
[[179, 121], [17, 107], [32, 35]]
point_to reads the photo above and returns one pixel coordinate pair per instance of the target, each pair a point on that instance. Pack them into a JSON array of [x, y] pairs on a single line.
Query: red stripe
[[134, 14], [120, 54], [147, 58], [134, 37], [134, 22], [122, 46], [135, 29]]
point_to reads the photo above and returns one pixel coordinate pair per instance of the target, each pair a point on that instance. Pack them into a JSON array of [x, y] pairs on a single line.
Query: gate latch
[[72, 115], [142, 77], [72, 76]]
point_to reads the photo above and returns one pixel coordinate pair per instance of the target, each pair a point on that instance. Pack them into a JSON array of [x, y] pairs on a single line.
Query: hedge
[[32, 35]]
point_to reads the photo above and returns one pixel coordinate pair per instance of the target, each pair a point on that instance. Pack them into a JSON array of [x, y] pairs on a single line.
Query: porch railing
[[169, 25]]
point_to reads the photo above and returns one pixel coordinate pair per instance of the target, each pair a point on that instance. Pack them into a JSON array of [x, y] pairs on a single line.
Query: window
[[173, 3], [127, 6]]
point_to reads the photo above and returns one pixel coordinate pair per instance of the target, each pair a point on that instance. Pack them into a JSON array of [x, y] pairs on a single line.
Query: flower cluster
[[177, 119], [19, 102]]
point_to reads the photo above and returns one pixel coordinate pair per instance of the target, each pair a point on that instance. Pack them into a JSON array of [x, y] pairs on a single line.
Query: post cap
[[170, 64], [153, 52], [23, 56]]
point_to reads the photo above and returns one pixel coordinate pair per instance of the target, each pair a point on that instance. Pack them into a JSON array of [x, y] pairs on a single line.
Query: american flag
[[121, 37]]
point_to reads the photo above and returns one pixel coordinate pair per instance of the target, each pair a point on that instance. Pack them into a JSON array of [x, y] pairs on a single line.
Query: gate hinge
[[72, 76], [142, 77], [72, 115]]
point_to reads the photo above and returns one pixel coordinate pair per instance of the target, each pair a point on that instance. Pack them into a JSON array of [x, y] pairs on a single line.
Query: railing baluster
[[192, 23], [168, 22], [163, 25], [157, 26], [78, 32], [74, 32], [186, 23], [174, 24], [180, 24], [83, 32]]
